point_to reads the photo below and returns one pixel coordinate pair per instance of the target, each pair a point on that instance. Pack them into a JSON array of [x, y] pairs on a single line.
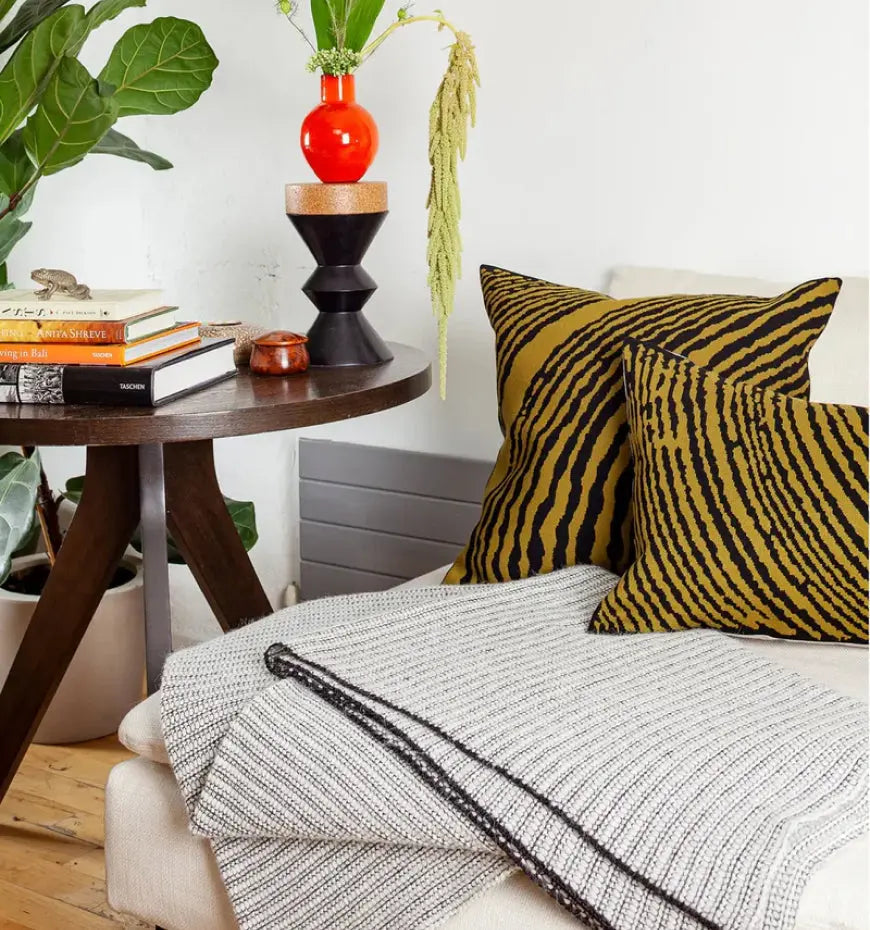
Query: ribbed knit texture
[[429, 741]]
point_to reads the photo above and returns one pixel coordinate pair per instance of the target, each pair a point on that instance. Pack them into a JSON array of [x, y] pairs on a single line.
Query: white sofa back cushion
[[838, 362]]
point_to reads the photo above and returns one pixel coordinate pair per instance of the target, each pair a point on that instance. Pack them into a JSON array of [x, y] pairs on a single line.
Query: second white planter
[[106, 676]]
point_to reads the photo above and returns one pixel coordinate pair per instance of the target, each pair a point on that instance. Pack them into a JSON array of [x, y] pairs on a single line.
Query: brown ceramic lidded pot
[[279, 353]]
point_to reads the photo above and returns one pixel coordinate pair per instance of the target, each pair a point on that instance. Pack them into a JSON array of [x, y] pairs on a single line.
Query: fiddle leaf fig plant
[[29, 508], [53, 112]]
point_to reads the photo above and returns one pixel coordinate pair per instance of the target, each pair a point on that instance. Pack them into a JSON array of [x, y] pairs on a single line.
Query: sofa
[[161, 873]]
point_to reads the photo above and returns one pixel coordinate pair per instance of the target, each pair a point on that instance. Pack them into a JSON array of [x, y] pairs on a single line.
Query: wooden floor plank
[[58, 846], [86, 762], [28, 867], [38, 912], [64, 790], [45, 812], [52, 862], [92, 862]]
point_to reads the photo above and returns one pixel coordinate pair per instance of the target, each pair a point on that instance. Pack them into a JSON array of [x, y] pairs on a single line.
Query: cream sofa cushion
[[838, 361], [141, 732], [155, 867]]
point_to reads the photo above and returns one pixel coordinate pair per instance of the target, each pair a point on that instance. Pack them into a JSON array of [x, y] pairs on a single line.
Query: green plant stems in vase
[[343, 29]]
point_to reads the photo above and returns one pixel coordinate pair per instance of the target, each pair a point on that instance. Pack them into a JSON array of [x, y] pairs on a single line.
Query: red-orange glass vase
[[339, 137]]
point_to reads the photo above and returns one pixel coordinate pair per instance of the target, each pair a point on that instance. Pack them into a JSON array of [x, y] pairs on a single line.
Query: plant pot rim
[[40, 558]]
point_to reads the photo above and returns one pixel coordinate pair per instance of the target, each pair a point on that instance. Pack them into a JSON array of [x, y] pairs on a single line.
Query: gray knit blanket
[[374, 761]]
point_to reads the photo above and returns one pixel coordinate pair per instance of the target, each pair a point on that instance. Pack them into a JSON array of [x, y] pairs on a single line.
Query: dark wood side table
[[159, 465]]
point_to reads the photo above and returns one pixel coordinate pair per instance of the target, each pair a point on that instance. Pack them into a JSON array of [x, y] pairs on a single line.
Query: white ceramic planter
[[106, 676]]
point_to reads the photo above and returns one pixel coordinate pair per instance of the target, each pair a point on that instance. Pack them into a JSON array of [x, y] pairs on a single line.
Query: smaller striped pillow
[[750, 508]]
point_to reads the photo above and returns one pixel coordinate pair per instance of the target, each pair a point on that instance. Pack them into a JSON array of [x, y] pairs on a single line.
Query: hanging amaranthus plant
[[343, 29]]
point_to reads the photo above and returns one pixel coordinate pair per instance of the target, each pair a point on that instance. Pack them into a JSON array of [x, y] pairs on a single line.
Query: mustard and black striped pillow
[[560, 492], [750, 508]]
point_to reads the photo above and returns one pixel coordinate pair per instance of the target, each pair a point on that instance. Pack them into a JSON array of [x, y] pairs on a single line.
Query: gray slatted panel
[[372, 517], [368, 551], [320, 580], [440, 476], [387, 511]]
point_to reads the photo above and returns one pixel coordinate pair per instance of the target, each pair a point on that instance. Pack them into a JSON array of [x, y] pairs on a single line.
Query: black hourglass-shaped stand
[[339, 286]]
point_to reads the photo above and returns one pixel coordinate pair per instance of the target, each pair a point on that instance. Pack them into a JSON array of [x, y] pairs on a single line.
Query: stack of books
[[119, 347]]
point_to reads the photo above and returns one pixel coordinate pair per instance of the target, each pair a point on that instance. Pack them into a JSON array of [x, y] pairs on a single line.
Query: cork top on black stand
[[336, 199], [338, 223]]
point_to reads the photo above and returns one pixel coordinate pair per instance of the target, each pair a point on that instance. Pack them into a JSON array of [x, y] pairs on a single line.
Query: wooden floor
[[52, 872]]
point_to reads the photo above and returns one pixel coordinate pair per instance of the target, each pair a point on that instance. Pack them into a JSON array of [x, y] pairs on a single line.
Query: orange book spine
[[21, 353], [94, 332]]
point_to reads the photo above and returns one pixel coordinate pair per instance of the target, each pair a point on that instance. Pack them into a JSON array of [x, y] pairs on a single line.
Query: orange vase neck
[[337, 88]]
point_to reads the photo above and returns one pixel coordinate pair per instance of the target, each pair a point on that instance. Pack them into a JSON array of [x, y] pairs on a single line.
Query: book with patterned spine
[[147, 384], [103, 305], [65, 354], [88, 332]]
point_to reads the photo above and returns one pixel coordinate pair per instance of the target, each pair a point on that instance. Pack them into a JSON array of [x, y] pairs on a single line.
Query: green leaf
[[18, 488], [70, 120], [8, 461], [242, 512], [73, 489], [160, 67], [6, 6], [12, 231], [115, 143], [323, 31], [30, 14], [15, 164], [245, 518], [173, 556], [33, 63], [30, 543], [363, 14], [4, 278], [98, 14], [24, 204], [105, 10]]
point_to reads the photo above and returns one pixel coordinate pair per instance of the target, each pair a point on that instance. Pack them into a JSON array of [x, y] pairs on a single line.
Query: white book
[[103, 305]]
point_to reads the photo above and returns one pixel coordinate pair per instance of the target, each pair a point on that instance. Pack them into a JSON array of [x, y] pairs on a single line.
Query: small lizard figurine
[[56, 280]]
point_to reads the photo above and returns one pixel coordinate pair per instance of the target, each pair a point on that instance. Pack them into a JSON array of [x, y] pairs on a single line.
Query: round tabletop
[[239, 406]]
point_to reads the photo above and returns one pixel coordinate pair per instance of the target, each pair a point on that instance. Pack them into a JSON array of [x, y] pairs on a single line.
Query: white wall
[[693, 134]]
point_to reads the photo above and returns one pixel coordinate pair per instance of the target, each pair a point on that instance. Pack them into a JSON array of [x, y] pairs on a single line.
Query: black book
[[148, 384]]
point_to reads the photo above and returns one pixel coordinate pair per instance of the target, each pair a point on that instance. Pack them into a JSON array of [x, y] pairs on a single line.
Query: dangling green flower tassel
[[452, 112]]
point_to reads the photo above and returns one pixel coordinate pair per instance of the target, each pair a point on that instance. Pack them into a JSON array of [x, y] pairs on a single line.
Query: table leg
[[100, 531], [205, 535], [158, 614]]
